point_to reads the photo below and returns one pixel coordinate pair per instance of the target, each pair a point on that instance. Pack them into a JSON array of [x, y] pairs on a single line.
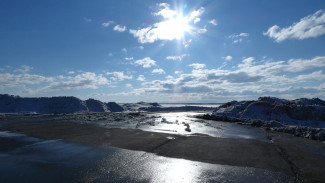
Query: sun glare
[[174, 28]]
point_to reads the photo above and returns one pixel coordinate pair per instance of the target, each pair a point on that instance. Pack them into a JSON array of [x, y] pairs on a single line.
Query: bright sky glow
[[173, 28], [171, 51]]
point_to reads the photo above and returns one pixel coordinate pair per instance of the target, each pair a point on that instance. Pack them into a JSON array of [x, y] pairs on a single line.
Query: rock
[[320, 136], [187, 127]]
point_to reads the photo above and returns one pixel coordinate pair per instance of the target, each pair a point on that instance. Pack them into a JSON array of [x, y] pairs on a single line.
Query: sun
[[180, 26], [173, 28]]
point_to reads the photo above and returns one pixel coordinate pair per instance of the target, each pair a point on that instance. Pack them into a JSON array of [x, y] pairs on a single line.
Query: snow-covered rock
[[140, 106], [305, 112], [16, 104], [96, 106], [114, 107]]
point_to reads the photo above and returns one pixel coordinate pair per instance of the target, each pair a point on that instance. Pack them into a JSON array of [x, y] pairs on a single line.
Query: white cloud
[[146, 62], [196, 20], [293, 78], [106, 24], [128, 85], [322, 86], [110, 54], [276, 71], [228, 58], [124, 50], [169, 77], [197, 65], [141, 47], [258, 78], [119, 28], [119, 75], [296, 65], [145, 35], [317, 75], [18, 79], [71, 72], [197, 13], [165, 12], [128, 58], [243, 34], [247, 62], [202, 31], [176, 57], [237, 38], [141, 78], [88, 19], [187, 43], [165, 30], [86, 80], [310, 26], [158, 71], [173, 27], [24, 69], [213, 22]]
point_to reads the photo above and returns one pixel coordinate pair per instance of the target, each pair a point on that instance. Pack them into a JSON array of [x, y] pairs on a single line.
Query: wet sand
[[293, 156]]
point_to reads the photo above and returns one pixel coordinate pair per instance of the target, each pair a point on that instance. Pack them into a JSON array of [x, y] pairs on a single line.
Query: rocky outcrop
[[16, 104]]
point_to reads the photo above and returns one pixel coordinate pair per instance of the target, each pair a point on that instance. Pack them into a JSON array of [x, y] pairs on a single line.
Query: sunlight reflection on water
[[174, 122], [58, 161], [138, 166]]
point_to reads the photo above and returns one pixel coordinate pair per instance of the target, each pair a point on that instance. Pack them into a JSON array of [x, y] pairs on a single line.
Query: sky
[[205, 51]]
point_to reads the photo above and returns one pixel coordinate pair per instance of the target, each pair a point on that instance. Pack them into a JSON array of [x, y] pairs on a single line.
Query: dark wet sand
[[294, 156]]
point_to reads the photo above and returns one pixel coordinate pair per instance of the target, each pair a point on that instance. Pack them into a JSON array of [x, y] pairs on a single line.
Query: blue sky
[[163, 51]]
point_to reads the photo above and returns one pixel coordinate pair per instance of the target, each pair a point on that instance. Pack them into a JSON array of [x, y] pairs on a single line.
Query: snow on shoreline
[[301, 112], [301, 117]]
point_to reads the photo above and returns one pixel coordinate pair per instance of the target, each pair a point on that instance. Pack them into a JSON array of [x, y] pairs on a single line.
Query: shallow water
[[174, 122], [37, 160]]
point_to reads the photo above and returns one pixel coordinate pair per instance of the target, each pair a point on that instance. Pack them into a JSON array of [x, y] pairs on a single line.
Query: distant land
[[70, 104]]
